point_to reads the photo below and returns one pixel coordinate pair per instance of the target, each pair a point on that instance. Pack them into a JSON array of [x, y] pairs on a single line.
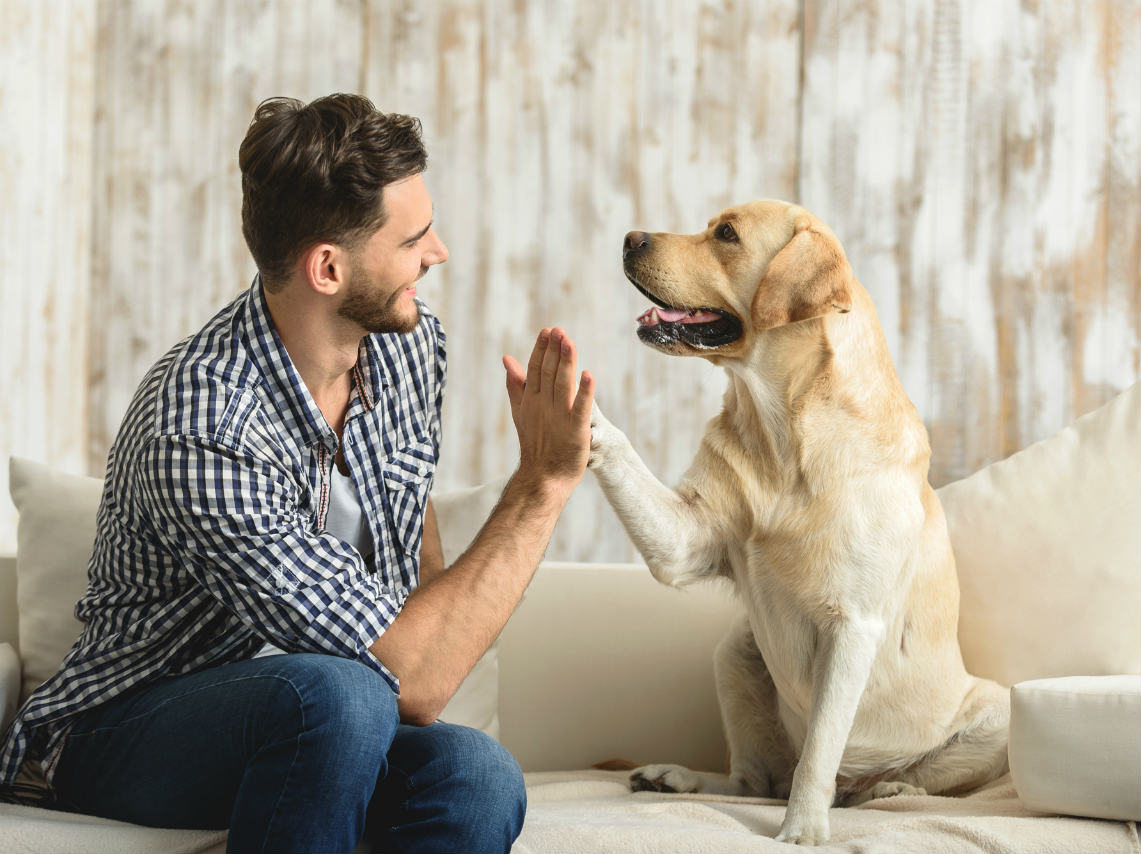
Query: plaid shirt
[[210, 535]]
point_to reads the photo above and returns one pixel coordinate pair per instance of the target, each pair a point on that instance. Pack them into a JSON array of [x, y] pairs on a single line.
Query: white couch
[[601, 662]]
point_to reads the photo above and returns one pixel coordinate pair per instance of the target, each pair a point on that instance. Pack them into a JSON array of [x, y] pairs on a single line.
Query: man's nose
[[635, 241], [440, 252]]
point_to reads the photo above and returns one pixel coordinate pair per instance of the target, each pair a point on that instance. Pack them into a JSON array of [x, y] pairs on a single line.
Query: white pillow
[[1048, 548], [1075, 745], [54, 539], [460, 514], [56, 534]]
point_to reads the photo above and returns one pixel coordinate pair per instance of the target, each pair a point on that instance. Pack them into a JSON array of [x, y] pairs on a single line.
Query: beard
[[363, 307]]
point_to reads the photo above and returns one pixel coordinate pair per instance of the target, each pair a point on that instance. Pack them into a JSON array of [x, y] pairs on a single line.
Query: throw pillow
[[460, 514], [1048, 549], [54, 538]]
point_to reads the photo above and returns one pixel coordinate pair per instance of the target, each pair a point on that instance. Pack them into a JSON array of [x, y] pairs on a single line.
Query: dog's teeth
[[649, 317]]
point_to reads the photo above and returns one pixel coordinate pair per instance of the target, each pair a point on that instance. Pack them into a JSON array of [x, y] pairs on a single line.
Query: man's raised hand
[[551, 408]]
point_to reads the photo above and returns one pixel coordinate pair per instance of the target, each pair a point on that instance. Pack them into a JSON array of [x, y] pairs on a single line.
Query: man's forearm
[[450, 621]]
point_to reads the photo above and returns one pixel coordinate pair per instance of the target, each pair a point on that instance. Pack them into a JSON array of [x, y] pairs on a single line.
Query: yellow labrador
[[843, 681]]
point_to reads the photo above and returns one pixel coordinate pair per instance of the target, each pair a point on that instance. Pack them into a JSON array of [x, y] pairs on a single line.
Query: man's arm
[[431, 550], [451, 619]]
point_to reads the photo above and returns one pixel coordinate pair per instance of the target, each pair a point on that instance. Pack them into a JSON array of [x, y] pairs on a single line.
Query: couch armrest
[[1075, 747], [600, 661], [9, 684]]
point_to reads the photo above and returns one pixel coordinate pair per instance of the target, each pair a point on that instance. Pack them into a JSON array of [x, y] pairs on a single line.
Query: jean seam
[[292, 764]]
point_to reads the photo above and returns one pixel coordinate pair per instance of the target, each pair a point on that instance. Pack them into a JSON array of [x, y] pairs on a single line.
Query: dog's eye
[[726, 233]]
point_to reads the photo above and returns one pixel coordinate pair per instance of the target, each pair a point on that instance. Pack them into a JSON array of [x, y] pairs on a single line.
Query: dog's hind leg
[[977, 752], [973, 756], [761, 758]]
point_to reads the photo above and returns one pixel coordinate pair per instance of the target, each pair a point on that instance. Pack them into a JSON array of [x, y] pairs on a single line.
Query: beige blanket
[[593, 811]]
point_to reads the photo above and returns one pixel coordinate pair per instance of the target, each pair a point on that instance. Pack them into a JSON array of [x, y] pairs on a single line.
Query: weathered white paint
[[46, 110], [980, 160]]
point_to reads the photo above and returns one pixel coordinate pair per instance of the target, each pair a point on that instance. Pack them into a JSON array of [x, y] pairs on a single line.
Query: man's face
[[382, 280]]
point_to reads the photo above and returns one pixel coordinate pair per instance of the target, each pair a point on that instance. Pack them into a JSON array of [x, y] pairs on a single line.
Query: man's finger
[[584, 400], [566, 372], [515, 380], [551, 359], [535, 365]]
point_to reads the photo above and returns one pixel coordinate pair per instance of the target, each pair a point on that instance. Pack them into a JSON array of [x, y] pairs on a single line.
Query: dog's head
[[755, 267]]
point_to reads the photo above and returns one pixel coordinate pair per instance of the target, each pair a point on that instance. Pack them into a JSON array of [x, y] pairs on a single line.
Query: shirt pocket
[[407, 474]]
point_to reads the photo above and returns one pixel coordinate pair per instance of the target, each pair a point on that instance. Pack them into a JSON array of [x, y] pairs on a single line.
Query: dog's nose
[[635, 242]]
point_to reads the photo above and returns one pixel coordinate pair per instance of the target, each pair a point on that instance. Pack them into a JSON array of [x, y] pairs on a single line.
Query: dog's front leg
[[676, 544], [846, 649]]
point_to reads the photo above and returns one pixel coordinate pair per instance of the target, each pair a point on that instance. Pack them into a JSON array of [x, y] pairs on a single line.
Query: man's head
[[329, 176]]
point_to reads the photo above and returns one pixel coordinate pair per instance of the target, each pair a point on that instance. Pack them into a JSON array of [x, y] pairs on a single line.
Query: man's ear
[[325, 266], [809, 277]]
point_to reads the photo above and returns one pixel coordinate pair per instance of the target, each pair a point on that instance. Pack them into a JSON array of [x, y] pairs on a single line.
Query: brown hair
[[316, 172]]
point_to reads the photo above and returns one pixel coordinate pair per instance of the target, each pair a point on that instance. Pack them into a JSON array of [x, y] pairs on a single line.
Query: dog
[[843, 680]]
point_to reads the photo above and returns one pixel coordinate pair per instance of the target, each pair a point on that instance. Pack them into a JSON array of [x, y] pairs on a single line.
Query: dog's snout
[[635, 242]]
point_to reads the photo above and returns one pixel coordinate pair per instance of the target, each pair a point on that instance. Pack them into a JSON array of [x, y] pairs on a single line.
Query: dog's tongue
[[675, 315]]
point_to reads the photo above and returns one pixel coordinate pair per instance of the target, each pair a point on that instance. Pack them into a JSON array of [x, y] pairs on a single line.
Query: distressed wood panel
[[980, 160], [46, 105]]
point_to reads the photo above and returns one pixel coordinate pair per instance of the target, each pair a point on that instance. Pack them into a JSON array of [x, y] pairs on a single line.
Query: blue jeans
[[291, 753]]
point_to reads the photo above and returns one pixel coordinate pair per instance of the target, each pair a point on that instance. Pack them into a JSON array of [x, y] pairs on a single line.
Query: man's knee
[[488, 779], [483, 760], [338, 703]]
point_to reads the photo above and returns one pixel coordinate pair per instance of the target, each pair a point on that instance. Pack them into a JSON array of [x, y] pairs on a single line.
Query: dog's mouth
[[663, 325]]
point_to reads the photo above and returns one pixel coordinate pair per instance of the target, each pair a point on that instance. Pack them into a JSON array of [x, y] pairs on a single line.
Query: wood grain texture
[[979, 159], [47, 55], [972, 156]]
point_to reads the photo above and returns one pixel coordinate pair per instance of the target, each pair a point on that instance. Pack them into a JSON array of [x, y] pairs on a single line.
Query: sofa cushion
[[54, 539], [1075, 745], [1048, 549], [56, 534]]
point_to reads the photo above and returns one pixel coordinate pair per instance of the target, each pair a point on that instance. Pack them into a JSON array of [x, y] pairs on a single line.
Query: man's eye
[[726, 233]]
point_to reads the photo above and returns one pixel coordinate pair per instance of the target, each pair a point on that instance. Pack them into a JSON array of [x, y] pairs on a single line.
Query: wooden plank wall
[[980, 159]]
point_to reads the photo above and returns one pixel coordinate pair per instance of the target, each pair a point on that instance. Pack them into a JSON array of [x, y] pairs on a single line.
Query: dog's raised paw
[[664, 778]]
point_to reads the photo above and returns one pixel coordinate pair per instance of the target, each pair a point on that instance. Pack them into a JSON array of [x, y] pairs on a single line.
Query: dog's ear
[[809, 277]]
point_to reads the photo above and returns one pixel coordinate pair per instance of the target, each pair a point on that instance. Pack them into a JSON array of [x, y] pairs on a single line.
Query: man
[[268, 493]]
